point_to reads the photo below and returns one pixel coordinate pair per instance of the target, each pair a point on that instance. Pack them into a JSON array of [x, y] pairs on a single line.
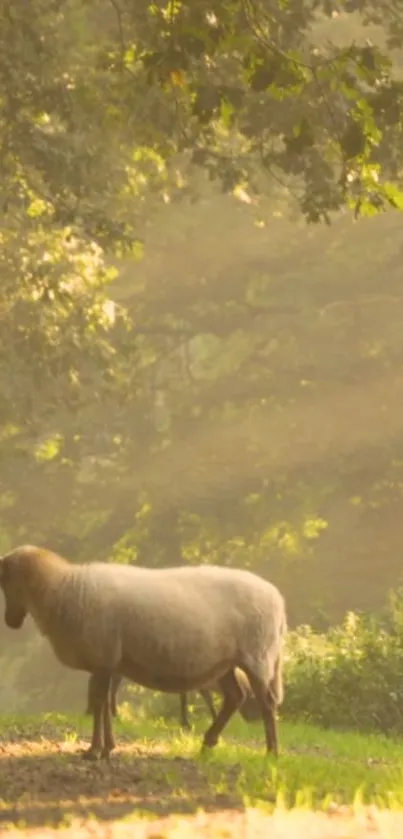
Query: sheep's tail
[[243, 682], [276, 685]]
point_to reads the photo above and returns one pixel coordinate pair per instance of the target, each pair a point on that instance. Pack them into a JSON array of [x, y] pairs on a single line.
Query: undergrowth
[[352, 675]]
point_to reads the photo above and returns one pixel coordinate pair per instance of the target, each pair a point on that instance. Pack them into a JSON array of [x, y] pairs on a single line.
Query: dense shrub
[[351, 676]]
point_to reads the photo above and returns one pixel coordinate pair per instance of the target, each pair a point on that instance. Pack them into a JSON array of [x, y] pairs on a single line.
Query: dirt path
[[46, 781]]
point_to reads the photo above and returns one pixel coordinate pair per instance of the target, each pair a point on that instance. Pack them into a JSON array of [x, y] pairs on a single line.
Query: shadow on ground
[[49, 783]]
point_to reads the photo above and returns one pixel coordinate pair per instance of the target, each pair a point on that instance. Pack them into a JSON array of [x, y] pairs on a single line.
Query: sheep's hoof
[[106, 753], [206, 747], [91, 754]]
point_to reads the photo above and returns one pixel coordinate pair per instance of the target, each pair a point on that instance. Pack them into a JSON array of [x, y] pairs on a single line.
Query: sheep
[[248, 709], [172, 629]]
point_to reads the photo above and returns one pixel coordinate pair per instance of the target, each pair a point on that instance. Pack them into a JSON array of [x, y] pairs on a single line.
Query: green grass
[[158, 769], [316, 767]]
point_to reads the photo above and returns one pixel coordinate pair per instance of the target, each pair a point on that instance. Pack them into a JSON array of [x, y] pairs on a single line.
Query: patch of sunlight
[[9, 430], [312, 527], [49, 449], [38, 207]]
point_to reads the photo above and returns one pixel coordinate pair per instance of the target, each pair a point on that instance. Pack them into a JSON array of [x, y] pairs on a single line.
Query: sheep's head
[[11, 586]]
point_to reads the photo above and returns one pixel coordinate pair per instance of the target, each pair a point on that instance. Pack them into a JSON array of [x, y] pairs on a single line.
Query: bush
[[351, 676]]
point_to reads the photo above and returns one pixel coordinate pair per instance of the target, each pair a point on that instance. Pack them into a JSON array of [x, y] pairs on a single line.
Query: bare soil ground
[[43, 782]]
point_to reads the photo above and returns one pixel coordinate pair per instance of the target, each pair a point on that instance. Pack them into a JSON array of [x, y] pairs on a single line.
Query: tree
[[242, 90], [114, 420], [247, 93]]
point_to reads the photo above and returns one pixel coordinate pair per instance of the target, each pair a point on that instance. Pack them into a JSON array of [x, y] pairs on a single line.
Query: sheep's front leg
[[115, 684], [90, 694], [109, 740], [102, 736]]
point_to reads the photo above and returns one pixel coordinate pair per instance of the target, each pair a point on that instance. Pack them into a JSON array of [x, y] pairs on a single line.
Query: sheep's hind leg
[[266, 701], [100, 686], [233, 697], [183, 699], [250, 710]]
